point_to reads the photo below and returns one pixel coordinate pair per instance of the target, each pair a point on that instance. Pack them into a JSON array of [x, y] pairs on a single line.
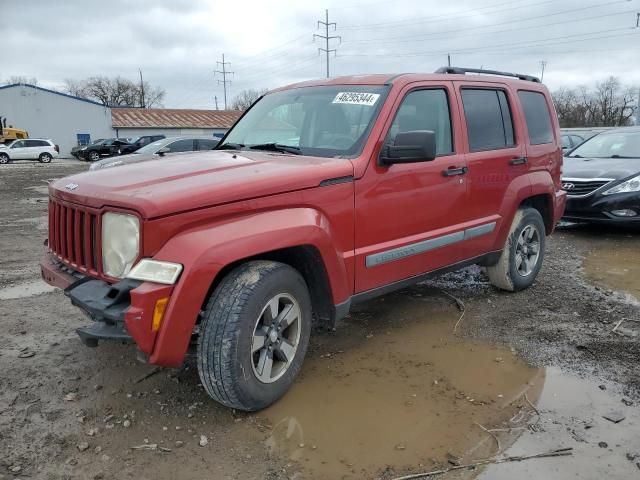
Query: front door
[[19, 150], [410, 217]]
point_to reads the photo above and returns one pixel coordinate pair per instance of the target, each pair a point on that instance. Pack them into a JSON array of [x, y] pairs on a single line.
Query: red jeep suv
[[324, 194]]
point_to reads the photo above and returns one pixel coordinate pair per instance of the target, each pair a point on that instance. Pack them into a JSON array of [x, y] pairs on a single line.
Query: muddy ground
[[393, 391]]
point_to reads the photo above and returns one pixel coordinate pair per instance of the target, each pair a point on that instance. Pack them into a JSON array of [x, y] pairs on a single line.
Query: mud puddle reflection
[[395, 390], [616, 267]]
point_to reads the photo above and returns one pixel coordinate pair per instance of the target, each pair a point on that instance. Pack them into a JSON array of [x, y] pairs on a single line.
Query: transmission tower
[[326, 37], [224, 82]]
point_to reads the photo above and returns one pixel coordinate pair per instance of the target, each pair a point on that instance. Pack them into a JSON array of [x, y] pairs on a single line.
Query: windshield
[[151, 148], [610, 145], [321, 121]]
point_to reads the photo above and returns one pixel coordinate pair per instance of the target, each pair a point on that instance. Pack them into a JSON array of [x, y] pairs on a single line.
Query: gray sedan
[[155, 150]]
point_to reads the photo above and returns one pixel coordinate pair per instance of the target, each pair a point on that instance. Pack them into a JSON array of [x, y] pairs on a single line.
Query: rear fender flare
[[205, 251]]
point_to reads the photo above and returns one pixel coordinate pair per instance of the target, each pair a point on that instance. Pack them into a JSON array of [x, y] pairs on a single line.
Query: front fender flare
[[205, 251]]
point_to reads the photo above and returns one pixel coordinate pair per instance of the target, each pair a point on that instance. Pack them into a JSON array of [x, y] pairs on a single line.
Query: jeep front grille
[[73, 236]]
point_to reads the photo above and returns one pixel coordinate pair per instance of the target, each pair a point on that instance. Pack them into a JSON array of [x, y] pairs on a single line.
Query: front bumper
[[122, 311], [597, 208]]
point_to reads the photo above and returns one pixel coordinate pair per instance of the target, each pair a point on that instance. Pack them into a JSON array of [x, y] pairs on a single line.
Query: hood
[[122, 160], [615, 168], [199, 180]]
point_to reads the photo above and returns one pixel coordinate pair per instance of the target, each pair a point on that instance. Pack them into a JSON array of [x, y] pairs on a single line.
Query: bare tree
[[245, 98], [116, 92], [607, 104], [20, 79]]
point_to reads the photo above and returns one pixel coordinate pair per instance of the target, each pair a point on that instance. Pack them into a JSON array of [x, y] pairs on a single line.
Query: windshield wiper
[[574, 156], [230, 146], [277, 147], [620, 156]]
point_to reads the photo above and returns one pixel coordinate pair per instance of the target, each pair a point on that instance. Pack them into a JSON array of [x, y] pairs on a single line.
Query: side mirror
[[163, 150], [409, 147]]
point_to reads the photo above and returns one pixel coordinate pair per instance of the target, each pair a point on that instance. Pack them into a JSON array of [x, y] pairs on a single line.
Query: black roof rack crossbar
[[462, 71]]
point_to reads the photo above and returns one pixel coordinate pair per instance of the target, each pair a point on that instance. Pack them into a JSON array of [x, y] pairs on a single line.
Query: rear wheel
[[523, 252], [254, 335], [4, 159], [45, 157]]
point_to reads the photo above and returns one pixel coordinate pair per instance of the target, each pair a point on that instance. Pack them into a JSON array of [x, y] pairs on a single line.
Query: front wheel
[[4, 159], [523, 252], [254, 335], [94, 156]]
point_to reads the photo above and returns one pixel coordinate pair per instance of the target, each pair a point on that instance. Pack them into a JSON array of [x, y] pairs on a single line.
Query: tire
[[4, 159], [523, 252], [45, 158], [93, 156], [232, 327]]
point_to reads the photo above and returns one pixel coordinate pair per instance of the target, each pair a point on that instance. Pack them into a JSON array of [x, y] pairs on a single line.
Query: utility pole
[[543, 64], [448, 59], [326, 37], [216, 100], [142, 102], [637, 20], [224, 80]]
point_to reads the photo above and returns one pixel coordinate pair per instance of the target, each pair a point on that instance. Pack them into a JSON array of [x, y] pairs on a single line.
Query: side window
[[181, 146], [537, 116], [32, 143], [566, 142], [19, 144], [577, 140], [489, 125], [425, 110], [42, 143], [207, 144]]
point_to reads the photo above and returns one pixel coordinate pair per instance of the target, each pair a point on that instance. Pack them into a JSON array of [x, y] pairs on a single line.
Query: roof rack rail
[[462, 71]]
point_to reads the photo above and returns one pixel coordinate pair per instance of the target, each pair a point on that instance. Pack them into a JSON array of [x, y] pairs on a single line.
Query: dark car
[[171, 145], [76, 151], [104, 148], [602, 178], [140, 142]]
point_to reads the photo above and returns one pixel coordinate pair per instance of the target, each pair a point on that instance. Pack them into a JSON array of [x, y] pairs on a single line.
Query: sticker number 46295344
[[357, 98]]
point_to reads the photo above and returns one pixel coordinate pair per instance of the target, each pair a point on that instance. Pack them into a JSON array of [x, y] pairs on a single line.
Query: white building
[[69, 120]]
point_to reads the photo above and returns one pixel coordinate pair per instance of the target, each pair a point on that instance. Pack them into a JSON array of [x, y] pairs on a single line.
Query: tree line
[[606, 104]]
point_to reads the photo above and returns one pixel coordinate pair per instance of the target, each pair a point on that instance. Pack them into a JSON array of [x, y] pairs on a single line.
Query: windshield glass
[[321, 121], [151, 148], [610, 145]]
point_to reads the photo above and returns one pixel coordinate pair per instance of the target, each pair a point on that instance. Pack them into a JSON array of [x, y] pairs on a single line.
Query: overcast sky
[[176, 43]]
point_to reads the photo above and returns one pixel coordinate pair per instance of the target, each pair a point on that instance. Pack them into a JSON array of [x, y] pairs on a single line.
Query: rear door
[[495, 155]]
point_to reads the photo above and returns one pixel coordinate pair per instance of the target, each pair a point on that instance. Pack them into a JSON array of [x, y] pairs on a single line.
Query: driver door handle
[[451, 171]]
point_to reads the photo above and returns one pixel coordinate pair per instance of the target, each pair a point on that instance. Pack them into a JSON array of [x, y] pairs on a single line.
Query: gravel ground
[[67, 411]]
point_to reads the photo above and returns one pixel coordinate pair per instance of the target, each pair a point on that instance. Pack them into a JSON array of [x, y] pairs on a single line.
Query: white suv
[[29, 149]]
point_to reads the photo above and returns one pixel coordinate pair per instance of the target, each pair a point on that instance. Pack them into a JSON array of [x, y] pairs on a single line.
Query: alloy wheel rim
[[276, 337], [527, 250]]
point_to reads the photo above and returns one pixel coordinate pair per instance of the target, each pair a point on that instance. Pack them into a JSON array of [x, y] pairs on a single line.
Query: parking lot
[[444, 373]]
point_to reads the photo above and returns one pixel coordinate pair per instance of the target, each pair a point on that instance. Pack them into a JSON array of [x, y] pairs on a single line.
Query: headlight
[[120, 243], [631, 185], [156, 271]]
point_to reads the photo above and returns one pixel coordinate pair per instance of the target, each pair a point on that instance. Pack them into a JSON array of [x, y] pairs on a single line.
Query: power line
[[456, 33], [224, 80], [326, 37], [481, 27]]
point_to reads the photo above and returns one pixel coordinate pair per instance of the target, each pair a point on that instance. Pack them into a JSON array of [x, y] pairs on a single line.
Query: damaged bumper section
[[129, 311], [106, 304]]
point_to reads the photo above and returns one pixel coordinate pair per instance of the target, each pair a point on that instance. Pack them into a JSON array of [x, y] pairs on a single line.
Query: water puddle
[[24, 290], [572, 415], [616, 267], [395, 389]]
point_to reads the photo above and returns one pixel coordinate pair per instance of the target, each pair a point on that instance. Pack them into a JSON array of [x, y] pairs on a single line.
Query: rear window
[[489, 124], [537, 116]]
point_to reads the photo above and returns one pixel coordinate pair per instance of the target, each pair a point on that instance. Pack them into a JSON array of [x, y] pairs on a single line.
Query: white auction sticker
[[357, 98]]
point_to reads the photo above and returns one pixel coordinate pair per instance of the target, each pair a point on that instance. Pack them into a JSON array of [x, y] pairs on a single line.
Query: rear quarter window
[[537, 116]]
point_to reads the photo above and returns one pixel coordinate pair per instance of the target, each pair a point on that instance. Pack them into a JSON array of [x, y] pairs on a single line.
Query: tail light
[[57, 148]]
